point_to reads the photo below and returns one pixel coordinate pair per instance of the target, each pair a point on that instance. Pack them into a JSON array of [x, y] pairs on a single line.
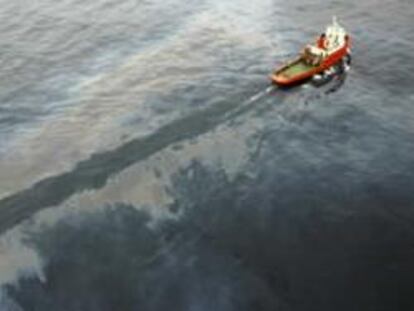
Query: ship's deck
[[297, 68]]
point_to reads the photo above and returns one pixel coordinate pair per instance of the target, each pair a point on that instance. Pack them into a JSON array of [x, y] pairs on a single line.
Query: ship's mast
[[334, 21]]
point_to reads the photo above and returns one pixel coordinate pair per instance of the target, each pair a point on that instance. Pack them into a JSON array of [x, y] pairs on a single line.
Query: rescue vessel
[[332, 48]]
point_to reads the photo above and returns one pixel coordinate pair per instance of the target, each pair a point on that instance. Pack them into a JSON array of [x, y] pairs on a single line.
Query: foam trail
[[246, 105], [260, 94]]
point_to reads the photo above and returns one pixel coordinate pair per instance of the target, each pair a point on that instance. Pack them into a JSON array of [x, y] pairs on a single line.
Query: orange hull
[[278, 77]]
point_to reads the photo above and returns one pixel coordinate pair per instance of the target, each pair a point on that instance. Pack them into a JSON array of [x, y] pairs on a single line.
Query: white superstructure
[[335, 36]]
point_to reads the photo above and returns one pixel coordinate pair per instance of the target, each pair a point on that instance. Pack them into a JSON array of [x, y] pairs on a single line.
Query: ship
[[316, 61]]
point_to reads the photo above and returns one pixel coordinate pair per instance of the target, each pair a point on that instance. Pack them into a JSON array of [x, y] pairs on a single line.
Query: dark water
[[146, 164]]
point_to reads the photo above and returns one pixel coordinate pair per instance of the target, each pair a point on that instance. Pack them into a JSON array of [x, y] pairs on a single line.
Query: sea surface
[[146, 163]]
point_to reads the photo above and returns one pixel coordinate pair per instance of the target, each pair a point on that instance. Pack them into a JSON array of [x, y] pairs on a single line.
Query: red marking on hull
[[328, 62]]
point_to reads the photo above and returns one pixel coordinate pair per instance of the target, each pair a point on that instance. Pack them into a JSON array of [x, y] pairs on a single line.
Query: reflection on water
[[146, 162]]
